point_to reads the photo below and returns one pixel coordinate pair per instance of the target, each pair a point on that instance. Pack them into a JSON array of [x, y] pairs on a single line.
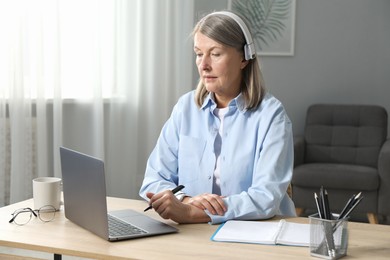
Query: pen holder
[[328, 238]]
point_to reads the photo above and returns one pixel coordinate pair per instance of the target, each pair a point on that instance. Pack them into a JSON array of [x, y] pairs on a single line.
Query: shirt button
[[209, 177]]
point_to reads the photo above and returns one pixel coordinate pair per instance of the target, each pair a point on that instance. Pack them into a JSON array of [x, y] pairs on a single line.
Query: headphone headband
[[249, 48]]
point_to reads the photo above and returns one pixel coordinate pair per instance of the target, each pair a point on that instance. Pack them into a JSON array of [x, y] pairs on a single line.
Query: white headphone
[[249, 48]]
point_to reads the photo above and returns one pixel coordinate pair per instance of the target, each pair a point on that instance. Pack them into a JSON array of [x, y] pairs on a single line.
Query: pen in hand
[[175, 190]]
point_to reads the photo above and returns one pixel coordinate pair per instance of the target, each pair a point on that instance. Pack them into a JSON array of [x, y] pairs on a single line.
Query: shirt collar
[[238, 102]]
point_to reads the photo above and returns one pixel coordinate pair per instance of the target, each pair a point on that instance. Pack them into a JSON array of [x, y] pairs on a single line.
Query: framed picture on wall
[[272, 23]]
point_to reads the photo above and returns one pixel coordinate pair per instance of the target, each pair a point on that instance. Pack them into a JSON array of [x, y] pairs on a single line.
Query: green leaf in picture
[[267, 18]]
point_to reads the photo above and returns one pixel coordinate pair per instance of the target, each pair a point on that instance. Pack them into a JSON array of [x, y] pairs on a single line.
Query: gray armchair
[[344, 149]]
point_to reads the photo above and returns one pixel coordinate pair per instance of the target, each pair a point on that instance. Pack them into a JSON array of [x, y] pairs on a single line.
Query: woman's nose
[[205, 64]]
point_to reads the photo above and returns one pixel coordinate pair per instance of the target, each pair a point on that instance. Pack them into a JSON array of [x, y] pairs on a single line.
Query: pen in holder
[[328, 237]]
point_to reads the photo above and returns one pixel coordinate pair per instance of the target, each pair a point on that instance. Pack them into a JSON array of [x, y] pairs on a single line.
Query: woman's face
[[220, 68]]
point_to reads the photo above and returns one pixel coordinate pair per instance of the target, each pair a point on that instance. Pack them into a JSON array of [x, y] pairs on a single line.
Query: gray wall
[[342, 55]]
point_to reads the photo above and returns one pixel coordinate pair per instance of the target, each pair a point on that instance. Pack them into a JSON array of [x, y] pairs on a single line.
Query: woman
[[229, 142]]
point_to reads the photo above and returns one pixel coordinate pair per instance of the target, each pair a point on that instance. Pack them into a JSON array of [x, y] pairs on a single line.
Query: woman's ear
[[244, 63]]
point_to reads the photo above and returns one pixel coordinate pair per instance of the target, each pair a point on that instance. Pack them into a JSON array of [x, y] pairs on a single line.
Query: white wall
[[342, 55]]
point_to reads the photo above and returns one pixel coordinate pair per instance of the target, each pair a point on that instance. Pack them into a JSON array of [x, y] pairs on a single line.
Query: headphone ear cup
[[249, 51]]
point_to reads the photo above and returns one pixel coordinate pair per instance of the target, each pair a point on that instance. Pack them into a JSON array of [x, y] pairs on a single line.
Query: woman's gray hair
[[224, 30]]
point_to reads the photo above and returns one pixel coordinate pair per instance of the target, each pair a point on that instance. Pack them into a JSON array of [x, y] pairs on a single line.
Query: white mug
[[47, 191]]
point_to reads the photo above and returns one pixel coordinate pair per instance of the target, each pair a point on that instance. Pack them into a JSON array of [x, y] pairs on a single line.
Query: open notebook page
[[263, 232]]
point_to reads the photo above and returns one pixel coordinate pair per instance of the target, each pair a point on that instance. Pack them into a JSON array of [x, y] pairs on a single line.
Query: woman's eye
[[198, 54], [215, 54]]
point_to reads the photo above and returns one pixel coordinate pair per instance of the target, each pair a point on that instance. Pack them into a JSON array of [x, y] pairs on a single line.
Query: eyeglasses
[[23, 216]]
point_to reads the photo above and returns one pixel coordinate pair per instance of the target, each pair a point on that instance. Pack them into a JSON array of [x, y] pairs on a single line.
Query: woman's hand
[[212, 202], [169, 207]]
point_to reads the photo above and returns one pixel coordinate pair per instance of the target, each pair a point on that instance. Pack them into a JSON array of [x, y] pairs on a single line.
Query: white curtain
[[100, 77]]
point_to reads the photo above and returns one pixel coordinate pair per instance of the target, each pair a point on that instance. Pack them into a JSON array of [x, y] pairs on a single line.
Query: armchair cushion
[[336, 176], [348, 134]]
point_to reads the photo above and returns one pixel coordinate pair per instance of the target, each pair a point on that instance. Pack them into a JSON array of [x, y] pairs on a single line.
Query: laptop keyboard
[[118, 227]]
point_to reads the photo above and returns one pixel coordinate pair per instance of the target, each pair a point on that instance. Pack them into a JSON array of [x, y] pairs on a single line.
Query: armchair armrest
[[384, 175], [299, 150]]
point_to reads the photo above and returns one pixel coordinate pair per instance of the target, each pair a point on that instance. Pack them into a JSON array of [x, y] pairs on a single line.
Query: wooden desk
[[192, 242]]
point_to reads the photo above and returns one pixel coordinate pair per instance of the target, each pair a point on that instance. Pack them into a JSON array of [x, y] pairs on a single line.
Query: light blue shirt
[[256, 157]]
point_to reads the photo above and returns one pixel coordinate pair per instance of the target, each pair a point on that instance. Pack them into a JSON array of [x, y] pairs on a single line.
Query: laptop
[[85, 202]]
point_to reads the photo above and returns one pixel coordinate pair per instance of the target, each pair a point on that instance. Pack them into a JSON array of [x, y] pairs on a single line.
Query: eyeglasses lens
[[23, 217], [47, 213]]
